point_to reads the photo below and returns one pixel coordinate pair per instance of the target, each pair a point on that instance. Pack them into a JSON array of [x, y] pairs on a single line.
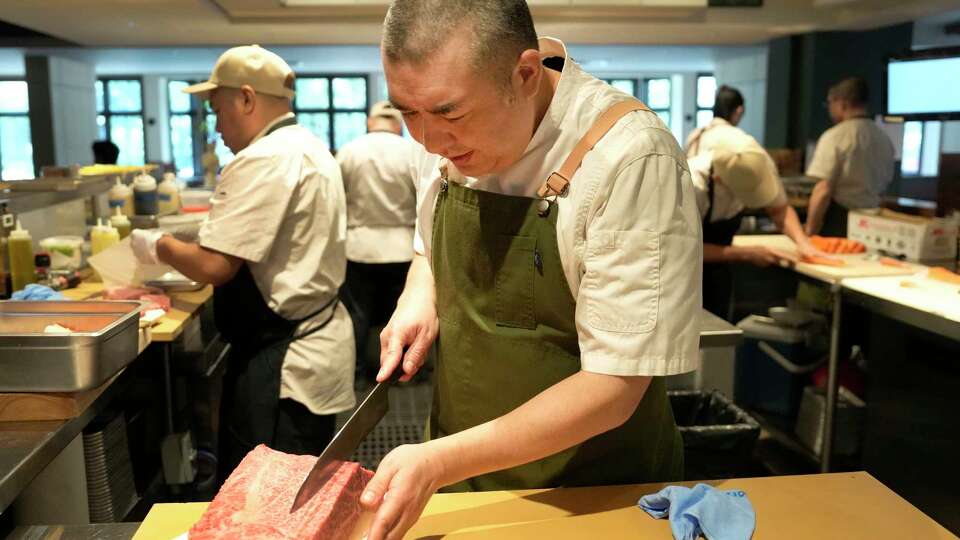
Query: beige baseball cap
[[385, 109], [746, 168], [252, 65]]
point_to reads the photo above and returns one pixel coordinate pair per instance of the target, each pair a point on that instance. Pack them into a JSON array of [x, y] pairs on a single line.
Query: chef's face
[[837, 108], [473, 119], [232, 109]]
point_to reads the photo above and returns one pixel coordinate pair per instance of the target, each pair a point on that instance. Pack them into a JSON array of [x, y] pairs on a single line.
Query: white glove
[[144, 244]]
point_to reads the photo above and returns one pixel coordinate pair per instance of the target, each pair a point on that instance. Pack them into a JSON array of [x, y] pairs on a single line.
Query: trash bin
[[718, 436], [773, 365]]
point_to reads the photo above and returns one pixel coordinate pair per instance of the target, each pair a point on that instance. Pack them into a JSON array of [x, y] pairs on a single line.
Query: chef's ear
[[248, 99], [528, 72]]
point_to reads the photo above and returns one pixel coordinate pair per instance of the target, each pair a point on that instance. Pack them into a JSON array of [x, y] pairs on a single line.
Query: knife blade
[[345, 442]]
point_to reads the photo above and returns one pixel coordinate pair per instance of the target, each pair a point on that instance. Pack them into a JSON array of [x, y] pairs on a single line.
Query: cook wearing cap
[[274, 248], [379, 171], [737, 173]]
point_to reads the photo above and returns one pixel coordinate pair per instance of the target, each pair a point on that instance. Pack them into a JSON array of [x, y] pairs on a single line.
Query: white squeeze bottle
[[103, 236], [121, 197], [168, 195]]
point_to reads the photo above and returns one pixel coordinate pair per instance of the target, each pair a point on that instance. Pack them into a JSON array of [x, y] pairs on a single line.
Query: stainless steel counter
[[26, 448], [103, 531], [716, 332]]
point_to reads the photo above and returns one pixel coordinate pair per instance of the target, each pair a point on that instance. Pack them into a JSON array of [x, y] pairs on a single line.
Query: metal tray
[[174, 282], [105, 340]]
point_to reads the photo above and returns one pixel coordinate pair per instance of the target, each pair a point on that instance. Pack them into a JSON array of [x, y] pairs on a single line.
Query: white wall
[[745, 68]]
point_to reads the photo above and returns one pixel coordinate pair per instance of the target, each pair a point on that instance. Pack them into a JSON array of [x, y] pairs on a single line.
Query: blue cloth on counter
[[718, 515], [37, 292]]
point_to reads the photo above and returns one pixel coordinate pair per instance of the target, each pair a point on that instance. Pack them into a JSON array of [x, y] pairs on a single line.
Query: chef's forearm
[[578, 408], [819, 201], [787, 222], [717, 253], [419, 286], [196, 262]]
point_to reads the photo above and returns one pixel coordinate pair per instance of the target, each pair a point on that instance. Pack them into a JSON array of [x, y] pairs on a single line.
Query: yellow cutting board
[[852, 506]]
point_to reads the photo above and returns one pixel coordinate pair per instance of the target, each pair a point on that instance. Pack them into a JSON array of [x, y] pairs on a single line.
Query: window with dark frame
[[626, 85], [706, 96], [658, 96], [190, 131], [16, 145], [333, 107], [120, 117], [920, 157]]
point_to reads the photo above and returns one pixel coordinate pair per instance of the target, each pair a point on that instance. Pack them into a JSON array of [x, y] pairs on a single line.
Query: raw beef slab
[[254, 503]]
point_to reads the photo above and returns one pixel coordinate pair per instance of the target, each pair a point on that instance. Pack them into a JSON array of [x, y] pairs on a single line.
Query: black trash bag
[[718, 436]]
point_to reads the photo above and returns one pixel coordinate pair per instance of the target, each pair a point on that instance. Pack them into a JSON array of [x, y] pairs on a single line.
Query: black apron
[[251, 411], [835, 220], [718, 277]]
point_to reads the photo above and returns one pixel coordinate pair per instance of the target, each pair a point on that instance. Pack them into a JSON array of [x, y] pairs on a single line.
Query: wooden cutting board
[[27, 407], [852, 506]]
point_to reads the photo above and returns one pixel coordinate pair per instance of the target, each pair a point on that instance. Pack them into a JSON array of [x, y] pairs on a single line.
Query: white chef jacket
[[280, 207], [628, 231], [379, 177], [856, 157], [705, 139], [726, 205]]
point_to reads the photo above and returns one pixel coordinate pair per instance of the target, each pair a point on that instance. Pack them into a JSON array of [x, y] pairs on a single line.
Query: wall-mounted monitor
[[923, 85]]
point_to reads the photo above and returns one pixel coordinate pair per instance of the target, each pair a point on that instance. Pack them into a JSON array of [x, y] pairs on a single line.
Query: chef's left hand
[[807, 249], [405, 480], [144, 244]]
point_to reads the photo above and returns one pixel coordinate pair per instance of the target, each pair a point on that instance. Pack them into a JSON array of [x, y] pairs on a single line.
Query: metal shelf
[[19, 202]]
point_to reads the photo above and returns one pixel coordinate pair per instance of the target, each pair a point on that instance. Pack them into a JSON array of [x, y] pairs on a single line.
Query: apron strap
[[558, 183]]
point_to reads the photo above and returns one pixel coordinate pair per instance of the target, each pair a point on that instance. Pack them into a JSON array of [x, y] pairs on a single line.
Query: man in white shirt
[[273, 246], [735, 174], [564, 286], [379, 171], [853, 161]]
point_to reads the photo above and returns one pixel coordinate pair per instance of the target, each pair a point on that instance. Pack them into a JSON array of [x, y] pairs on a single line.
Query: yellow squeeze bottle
[[103, 236], [22, 269], [121, 222]]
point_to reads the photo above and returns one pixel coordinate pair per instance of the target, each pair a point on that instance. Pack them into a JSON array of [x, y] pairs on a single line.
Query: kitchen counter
[[185, 305], [100, 531], [914, 300], [852, 506], [716, 332], [27, 447]]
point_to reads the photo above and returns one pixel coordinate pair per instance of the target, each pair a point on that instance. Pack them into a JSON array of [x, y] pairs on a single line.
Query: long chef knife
[[343, 445]]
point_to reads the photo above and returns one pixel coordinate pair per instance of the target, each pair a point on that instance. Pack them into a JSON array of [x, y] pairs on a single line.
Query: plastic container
[[22, 269], [168, 195], [718, 436], [773, 365], [848, 423], [145, 197], [196, 198], [121, 196], [103, 236], [65, 251], [121, 223]]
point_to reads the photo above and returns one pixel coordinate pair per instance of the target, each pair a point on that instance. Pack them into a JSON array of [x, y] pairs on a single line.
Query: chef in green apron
[[274, 248], [558, 266]]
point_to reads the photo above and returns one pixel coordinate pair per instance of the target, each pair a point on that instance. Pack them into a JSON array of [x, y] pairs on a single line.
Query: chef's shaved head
[[501, 30]]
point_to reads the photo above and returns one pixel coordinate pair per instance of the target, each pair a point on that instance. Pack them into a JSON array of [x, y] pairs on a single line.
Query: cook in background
[[737, 173], [558, 315], [273, 245], [853, 161], [379, 171], [728, 110]]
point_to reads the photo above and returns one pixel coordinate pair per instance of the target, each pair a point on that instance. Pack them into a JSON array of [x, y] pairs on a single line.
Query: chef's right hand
[[144, 244], [408, 337]]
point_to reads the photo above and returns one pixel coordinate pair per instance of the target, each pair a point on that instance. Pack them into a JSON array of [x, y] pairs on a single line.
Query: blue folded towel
[[37, 292], [718, 515]]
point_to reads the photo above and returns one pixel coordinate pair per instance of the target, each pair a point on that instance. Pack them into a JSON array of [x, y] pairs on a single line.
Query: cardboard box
[[916, 238]]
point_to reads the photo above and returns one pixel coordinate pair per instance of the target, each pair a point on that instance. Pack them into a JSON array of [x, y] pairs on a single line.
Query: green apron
[[507, 333]]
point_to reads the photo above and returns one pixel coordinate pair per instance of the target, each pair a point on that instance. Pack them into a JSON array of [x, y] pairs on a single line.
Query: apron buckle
[[556, 186]]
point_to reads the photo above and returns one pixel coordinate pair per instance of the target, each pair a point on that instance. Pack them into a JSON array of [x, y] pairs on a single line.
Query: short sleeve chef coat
[[856, 157], [726, 205], [280, 207], [628, 232], [379, 176]]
